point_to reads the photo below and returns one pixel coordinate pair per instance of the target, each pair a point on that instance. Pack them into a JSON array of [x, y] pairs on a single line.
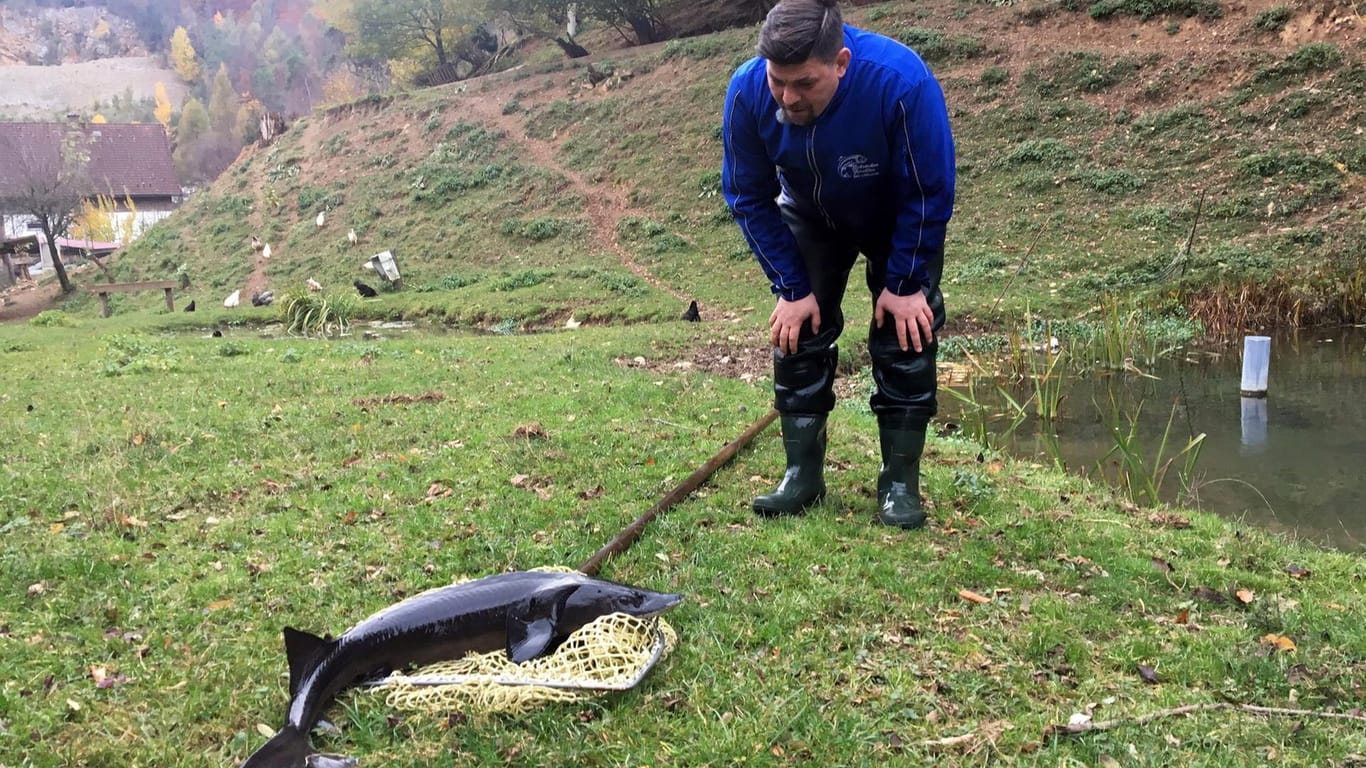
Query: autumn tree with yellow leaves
[[183, 56], [163, 109]]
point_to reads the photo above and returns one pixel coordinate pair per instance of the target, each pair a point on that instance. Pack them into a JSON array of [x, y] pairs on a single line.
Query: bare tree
[[46, 172], [643, 17]]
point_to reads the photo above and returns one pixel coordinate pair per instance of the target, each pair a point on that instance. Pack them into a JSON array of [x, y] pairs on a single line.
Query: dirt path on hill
[[605, 204]]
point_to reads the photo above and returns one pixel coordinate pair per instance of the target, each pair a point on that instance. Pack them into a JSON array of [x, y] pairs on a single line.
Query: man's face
[[805, 90]]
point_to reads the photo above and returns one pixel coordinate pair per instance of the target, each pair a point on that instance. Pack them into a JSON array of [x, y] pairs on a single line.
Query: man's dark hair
[[798, 30]]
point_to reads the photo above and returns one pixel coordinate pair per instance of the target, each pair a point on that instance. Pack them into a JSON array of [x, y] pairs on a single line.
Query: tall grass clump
[[1142, 477], [310, 313]]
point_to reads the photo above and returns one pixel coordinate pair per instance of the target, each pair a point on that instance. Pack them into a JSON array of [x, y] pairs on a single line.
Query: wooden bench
[[104, 289]]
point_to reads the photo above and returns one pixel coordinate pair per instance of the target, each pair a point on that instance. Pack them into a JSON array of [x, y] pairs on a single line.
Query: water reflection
[[1292, 462]]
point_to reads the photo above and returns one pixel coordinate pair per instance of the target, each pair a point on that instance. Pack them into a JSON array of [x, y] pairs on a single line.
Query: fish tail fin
[[286, 749], [301, 650]]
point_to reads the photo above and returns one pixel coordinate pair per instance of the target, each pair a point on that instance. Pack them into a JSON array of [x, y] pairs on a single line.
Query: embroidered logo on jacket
[[857, 167]]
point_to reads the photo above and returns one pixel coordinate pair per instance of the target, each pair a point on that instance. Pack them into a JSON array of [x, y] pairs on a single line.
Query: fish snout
[[656, 603]]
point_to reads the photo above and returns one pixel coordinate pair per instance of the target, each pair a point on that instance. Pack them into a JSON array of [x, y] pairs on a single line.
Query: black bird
[[217, 334], [691, 315], [190, 307], [262, 299], [365, 290]]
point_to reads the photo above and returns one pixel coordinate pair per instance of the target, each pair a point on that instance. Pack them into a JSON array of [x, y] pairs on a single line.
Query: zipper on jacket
[[816, 173]]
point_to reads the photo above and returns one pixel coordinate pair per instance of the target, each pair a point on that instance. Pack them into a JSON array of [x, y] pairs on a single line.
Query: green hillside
[[1208, 160]]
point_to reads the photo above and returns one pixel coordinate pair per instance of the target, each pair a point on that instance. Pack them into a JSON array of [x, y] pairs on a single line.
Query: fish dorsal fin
[[532, 623], [300, 650]]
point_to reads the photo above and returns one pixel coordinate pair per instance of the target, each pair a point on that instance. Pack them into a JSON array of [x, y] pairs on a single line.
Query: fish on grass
[[528, 613]]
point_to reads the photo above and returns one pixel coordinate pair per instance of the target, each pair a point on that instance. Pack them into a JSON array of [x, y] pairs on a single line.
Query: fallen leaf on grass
[[129, 521], [532, 431], [1245, 596], [265, 730], [1297, 572], [219, 605], [1278, 642], [37, 588], [438, 491], [592, 493], [973, 597], [1162, 565], [1184, 616], [103, 679]]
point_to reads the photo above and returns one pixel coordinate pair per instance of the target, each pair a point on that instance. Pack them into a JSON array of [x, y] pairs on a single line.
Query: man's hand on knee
[[913, 317], [785, 324]]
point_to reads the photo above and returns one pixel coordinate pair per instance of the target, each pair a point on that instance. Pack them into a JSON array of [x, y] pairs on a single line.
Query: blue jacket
[[878, 162]]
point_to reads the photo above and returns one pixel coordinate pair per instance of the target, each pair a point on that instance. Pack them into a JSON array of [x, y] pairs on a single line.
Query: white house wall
[[148, 213]]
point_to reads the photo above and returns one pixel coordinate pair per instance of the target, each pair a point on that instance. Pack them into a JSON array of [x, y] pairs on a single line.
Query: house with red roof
[[128, 163]]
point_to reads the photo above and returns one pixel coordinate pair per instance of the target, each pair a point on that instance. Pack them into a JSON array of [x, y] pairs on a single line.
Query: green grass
[[163, 526], [170, 500]]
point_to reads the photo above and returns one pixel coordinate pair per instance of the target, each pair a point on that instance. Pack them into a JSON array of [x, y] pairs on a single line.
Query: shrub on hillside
[[1272, 20], [1148, 9]]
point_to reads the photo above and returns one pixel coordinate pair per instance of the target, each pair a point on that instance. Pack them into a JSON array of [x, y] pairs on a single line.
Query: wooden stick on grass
[[630, 533]]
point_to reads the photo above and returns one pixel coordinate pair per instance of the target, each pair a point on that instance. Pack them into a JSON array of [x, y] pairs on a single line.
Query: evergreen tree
[[223, 103], [193, 125]]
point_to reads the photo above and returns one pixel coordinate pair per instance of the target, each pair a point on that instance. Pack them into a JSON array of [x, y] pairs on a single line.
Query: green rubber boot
[[898, 482], [803, 485]]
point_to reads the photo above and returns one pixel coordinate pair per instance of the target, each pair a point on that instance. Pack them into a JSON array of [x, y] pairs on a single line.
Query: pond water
[[1293, 462]]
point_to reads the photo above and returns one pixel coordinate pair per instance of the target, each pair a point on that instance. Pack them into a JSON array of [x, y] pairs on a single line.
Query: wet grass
[[159, 529]]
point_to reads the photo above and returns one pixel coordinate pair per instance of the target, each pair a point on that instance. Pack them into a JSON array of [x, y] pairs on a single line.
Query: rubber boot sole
[[769, 510]]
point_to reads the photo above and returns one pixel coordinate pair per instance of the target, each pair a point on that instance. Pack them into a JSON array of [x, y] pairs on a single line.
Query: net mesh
[[610, 654]]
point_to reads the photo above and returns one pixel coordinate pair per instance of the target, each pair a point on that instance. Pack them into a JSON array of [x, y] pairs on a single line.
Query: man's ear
[[842, 61]]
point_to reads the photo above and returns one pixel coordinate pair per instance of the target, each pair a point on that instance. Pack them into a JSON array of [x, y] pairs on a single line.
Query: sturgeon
[[528, 613]]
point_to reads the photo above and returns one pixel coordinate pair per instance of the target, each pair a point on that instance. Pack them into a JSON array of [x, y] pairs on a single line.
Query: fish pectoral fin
[[529, 639], [533, 621], [319, 760], [300, 649]]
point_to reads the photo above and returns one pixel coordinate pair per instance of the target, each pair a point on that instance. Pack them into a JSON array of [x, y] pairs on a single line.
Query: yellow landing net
[[612, 653]]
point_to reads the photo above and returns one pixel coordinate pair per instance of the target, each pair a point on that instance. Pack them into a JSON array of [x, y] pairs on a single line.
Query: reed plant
[[979, 416], [1139, 476], [1120, 331], [312, 313]]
